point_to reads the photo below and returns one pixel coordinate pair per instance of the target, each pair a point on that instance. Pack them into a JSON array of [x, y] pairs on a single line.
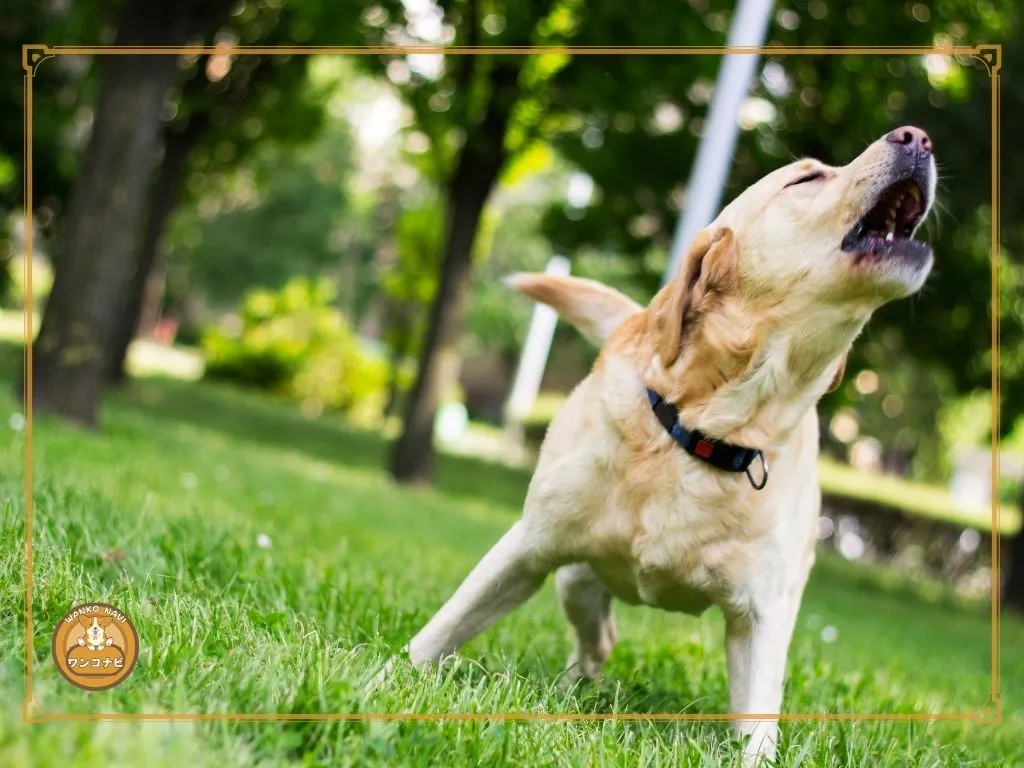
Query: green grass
[[185, 477]]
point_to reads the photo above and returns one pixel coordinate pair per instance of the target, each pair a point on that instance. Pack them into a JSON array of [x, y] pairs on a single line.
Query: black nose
[[912, 138]]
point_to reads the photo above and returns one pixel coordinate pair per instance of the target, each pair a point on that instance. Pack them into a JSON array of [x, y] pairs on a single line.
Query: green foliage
[[264, 139], [498, 317], [1009, 491], [606, 123], [410, 283], [242, 233], [243, 102], [42, 280], [897, 401], [62, 92], [449, 104], [294, 343], [419, 235]]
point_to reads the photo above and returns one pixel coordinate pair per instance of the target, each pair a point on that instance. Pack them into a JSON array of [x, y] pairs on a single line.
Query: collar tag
[[764, 474]]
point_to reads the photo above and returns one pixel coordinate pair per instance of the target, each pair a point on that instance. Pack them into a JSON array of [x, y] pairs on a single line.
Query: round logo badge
[[95, 646]]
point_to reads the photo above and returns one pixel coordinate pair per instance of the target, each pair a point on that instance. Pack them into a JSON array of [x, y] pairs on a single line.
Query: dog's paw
[[576, 675], [568, 683], [760, 745]]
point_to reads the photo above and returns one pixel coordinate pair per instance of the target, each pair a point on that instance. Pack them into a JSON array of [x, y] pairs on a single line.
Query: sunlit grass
[[269, 566]]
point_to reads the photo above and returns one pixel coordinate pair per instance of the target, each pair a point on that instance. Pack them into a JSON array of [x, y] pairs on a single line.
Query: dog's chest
[[679, 555], [669, 590], [676, 573]]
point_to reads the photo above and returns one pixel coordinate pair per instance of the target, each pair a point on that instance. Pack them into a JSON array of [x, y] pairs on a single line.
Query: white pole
[[526, 384], [718, 142]]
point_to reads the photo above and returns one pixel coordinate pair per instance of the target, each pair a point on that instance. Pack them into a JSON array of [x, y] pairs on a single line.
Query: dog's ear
[[85, 621], [106, 621], [594, 308], [708, 269], [837, 380]]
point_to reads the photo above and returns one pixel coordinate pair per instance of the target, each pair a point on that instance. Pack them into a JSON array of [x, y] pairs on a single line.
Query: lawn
[[270, 567]]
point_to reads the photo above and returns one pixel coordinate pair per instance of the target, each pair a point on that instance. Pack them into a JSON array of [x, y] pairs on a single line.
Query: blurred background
[[332, 229]]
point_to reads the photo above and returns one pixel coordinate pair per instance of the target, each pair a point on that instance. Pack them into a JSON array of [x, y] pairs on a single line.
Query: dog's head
[[795, 265], [827, 234]]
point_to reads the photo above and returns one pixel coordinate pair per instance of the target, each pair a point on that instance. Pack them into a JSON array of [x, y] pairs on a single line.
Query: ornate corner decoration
[[33, 55], [989, 56]]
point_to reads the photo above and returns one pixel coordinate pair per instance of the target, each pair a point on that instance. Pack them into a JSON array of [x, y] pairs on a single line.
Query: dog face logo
[[95, 646], [95, 632]]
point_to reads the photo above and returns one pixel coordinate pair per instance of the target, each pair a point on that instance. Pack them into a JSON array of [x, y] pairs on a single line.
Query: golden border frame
[[990, 55]]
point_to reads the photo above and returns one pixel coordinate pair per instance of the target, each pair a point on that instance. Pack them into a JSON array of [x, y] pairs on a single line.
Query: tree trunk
[[400, 328], [1013, 556], [481, 160], [166, 193], [163, 198], [395, 358], [93, 272], [412, 455], [152, 300]]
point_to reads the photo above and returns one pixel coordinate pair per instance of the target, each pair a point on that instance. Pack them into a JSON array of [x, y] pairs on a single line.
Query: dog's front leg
[[510, 573], [757, 646]]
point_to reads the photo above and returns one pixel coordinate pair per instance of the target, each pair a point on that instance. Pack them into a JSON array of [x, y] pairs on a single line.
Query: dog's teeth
[[915, 193], [889, 237]]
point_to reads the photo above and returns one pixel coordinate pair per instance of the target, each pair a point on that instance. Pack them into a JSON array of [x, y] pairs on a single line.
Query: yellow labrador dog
[[682, 472]]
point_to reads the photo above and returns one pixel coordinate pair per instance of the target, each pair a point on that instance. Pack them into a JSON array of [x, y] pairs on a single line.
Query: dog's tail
[[592, 307]]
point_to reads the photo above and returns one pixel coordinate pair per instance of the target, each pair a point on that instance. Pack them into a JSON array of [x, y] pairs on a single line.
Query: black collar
[[729, 458]]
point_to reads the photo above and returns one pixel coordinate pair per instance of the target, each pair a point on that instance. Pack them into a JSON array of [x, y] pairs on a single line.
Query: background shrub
[[295, 343]]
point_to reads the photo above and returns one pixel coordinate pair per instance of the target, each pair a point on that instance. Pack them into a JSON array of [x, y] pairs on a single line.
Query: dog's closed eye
[[812, 176]]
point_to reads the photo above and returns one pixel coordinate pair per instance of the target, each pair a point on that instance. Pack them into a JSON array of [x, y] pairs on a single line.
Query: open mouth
[[887, 229]]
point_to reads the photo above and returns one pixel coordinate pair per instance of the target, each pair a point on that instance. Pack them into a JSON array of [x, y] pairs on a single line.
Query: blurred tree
[[225, 107], [474, 113], [409, 285], [633, 123], [94, 267], [276, 217], [498, 318], [1013, 564], [61, 88]]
